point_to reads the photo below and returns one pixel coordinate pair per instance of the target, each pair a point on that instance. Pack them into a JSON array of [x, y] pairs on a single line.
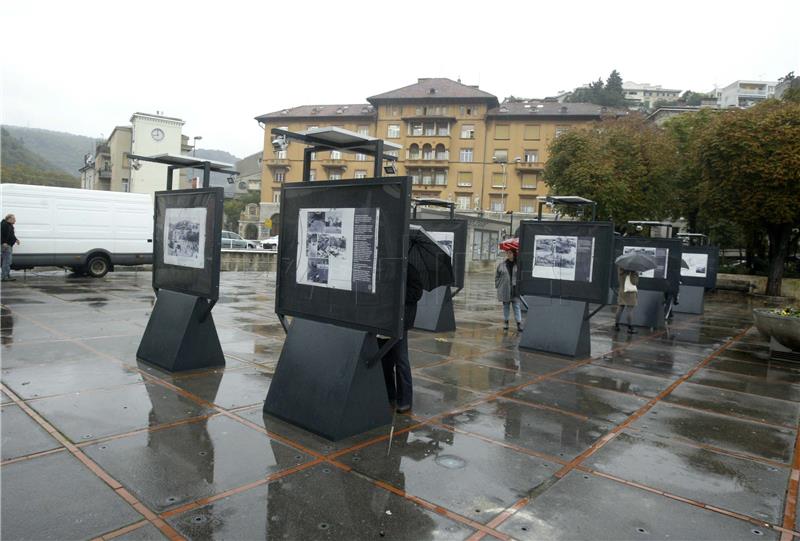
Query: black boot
[[519, 326], [631, 330], [505, 326]]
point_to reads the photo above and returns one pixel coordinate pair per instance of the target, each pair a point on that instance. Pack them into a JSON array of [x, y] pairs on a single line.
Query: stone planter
[[785, 330]]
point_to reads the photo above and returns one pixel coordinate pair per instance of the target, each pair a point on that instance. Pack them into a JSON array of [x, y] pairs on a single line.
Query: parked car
[[234, 240], [270, 244]]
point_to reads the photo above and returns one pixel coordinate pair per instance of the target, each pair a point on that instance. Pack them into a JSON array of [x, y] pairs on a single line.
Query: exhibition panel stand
[[698, 273], [657, 287], [435, 308], [564, 266], [187, 235]]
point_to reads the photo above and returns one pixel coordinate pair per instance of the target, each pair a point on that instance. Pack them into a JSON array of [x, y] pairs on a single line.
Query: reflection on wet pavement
[[687, 433]]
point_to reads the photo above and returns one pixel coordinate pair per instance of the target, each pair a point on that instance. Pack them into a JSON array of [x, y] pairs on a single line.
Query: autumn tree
[[750, 166], [626, 165]]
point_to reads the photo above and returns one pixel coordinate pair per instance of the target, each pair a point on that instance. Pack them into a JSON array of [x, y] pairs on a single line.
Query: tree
[[609, 93], [750, 166], [694, 98], [613, 93], [626, 165], [232, 208]]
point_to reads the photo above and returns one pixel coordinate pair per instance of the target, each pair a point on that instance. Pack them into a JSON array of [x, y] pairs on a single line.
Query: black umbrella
[[431, 261], [684, 264], [636, 261]]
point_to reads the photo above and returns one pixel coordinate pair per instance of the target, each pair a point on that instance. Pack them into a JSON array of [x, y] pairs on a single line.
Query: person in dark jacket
[[9, 239], [505, 281], [626, 300], [396, 366]]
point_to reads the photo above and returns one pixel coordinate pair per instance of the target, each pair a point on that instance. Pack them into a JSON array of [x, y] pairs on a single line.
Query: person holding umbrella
[[429, 267], [505, 281], [628, 268]]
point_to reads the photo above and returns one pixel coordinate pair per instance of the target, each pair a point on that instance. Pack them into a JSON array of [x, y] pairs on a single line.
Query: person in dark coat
[[626, 300], [505, 281], [9, 239], [396, 365]]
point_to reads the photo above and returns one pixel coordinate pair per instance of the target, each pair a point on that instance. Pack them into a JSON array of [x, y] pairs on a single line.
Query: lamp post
[[195, 139], [503, 165]]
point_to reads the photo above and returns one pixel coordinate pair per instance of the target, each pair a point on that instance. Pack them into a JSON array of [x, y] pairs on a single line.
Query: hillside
[[63, 150], [22, 166], [217, 179]]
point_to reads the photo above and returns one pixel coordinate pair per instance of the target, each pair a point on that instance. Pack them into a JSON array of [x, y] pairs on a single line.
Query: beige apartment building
[[459, 143]]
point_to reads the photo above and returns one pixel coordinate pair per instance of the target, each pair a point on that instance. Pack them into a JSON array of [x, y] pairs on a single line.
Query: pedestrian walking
[[9, 240], [627, 297], [505, 281]]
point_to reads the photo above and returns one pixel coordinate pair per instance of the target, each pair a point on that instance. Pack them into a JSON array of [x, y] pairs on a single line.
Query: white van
[[88, 231]]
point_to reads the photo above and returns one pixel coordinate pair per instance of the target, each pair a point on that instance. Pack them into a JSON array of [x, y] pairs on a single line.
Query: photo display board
[[343, 252], [667, 253], [452, 237], [568, 260], [703, 262], [187, 237]]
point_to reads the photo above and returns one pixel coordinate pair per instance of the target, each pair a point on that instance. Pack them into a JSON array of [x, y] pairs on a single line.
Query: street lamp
[[503, 164], [195, 139]]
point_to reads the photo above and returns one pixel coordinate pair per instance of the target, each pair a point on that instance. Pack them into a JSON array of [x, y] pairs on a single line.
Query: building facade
[[646, 95], [744, 93], [458, 143]]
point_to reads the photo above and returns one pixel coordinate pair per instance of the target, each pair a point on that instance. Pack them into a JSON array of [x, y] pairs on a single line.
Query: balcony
[[104, 173], [334, 164], [433, 162], [273, 163], [530, 166]]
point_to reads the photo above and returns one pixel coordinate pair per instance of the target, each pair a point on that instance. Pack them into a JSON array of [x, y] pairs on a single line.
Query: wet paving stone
[[616, 380], [727, 433], [445, 347], [319, 503], [474, 376], [419, 358], [148, 532], [745, 384], [16, 354], [432, 398], [14, 423], [4, 398], [56, 497], [527, 362], [472, 477], [174, 466], [37, 380], [759, 408], [623, 361], [590, 402], [122, 348], [583, 506], [99, 413], [545, 431], [744, 486], [767, 371], [228, 389]]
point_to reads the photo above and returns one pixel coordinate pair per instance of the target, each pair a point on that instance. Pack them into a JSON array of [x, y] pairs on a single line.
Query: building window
[[468, 131], [280, 175], [500, 155], [280, 155], [126, 185], [313, 156], [497, 203], [395, 153], [335, 176], [415, 128], [360, 173], [462, 202], [527, 204], [393, 131], [430, 128], [427, 152], [393, 110], [465, 178], [530, 180], [427, 177], [532, 132], [276, 196], [484, 244], [465, 155], [414, 174], [413, 152], [361, 157], [336, 155], [531, 156], [440, 178], [443, 128], [498, 180], [501, 131], [441, 152], [466, 110], [312, 175], [363, 131], [560, 130]]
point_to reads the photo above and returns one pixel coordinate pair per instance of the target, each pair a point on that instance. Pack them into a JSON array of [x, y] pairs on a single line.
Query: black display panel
[[452, 237], [187, 238], [667, 253], [343, 249], [703, 262], [568, 260]]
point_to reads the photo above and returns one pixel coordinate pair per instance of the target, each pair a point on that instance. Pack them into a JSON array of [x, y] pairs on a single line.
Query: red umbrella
[[510, 244]]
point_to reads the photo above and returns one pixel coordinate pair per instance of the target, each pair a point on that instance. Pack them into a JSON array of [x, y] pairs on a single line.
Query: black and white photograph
[[331, 239], [697, 265], [661, 256], [184, 237], [558, 257]]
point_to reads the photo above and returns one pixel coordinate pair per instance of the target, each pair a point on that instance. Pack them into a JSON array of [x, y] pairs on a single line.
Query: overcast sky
[[84, 66]]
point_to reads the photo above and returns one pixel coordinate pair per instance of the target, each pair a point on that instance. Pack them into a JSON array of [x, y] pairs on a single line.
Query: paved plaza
[[688, 433]]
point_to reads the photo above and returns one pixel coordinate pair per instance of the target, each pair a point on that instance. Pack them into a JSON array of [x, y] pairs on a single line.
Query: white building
[[745, 93], [151, 135], [647, 95]]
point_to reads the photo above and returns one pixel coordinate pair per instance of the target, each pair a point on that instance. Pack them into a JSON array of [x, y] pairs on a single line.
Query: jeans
[[6, 260], [397, 373], [517, 309]]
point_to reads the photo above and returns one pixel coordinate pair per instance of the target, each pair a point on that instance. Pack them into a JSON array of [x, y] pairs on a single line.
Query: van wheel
[[97, 266]]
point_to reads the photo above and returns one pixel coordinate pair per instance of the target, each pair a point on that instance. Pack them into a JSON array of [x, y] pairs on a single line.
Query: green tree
[[626, 165], [612, 93], [609, 93], [750, 165], [232, 208]]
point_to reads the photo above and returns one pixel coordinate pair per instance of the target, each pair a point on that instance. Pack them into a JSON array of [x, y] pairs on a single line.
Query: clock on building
[[157, 134]]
